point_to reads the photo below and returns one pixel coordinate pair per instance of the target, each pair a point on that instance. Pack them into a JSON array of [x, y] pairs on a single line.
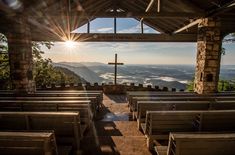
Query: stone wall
[[208, 56], [109, 89], [20, 55]]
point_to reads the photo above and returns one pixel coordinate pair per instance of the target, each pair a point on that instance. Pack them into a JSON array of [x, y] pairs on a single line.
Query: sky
[[129, 52]]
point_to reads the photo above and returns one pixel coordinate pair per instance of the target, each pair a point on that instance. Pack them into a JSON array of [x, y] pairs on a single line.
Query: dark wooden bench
[[133, 105], [66, 125], [28, 143], [83, 107], [93, 100], [133, 97], [98, 95], [144, 106], [198, 144], [159, 124], [220, 120], [132, 94]]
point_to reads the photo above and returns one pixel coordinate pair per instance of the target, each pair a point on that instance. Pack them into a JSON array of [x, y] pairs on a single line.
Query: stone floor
[[113, 132]]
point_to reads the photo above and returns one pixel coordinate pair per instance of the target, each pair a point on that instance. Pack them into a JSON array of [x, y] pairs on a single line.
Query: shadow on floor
[[112, 132], [117, 98]]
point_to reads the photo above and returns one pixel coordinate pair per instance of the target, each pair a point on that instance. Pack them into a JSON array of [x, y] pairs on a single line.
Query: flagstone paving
[[114, 132]]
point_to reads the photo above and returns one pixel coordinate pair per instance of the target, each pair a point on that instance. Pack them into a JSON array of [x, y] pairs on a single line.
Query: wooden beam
[[226, 7], [158, 5], [191, 5], [195, 22], [88, 26], [115, 25], [211, 13], [150, 5], [129, 14], [97, 37], [142, 26]]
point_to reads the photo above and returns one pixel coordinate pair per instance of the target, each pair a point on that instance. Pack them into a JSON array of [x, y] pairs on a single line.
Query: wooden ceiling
[[174, 19]]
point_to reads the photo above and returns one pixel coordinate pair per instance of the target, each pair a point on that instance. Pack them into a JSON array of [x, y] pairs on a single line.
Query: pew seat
[[159, 124], [66, 125], [82, 106], [30, 143], [198, 144]]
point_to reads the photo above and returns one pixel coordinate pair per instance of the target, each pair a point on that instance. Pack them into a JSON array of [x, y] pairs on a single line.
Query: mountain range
[[172, 76]]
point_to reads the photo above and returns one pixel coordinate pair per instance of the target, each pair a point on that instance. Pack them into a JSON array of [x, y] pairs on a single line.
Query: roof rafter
[[211, 13]]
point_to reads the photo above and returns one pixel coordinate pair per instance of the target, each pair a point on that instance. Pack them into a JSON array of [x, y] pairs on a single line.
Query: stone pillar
[[209, 44], [20, 56]]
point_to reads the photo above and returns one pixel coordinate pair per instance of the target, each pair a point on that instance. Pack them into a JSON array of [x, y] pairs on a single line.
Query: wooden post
[[142, 26], [115, 25], [88, 26]]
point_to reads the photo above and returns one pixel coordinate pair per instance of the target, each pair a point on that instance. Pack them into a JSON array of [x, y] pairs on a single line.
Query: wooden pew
[[148, 95], [133, 105], [144, 106], [155, 94], [158, 94], [199, 144], [93, 100], [98, 95], [28, 143], [66, 125], [223, 105], [132, 94], [159, 124], [220, 120], [92, 92], [83, 107]]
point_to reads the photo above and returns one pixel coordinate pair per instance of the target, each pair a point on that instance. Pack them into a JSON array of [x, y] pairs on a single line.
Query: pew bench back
[[201, 144], [66, 125], [28, 143]]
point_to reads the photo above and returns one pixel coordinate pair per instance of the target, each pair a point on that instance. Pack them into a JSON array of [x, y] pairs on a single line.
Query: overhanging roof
[[54, 19]]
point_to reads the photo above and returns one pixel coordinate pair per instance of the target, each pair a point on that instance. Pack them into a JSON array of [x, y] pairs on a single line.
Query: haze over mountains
[[172, 76]]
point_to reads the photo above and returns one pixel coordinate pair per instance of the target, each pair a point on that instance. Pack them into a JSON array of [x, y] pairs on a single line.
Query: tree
[[190, 86], [43, 71]]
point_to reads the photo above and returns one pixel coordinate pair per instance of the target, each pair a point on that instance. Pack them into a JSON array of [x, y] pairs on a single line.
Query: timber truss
[[176, 20]]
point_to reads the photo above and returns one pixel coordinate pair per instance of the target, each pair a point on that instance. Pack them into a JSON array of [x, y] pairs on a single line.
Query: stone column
[[20, 56], [209, 43]]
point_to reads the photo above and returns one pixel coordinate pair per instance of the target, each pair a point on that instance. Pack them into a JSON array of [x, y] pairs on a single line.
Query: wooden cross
[[115, 68]]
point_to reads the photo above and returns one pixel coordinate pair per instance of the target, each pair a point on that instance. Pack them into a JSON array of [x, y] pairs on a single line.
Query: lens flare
[[70, 44]]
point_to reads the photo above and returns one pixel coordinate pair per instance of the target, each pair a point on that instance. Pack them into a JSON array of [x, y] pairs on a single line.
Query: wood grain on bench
[[27, 143], [66, 125], [201, 144]]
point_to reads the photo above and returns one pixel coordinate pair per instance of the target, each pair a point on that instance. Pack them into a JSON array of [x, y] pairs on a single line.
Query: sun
[[70, 43]]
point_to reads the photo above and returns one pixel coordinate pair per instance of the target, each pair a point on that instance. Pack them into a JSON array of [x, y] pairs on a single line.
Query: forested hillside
[[43, 71]]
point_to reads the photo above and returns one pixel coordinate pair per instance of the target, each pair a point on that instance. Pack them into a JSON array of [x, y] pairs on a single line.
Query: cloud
[[137, 29], [105, 29], [134, 29]]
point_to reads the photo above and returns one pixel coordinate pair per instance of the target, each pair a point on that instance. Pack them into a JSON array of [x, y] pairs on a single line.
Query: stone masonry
[[209, 43], [20, 55]]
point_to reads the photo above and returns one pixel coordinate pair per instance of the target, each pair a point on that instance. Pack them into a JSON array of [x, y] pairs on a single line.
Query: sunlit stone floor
[[114, 132]]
